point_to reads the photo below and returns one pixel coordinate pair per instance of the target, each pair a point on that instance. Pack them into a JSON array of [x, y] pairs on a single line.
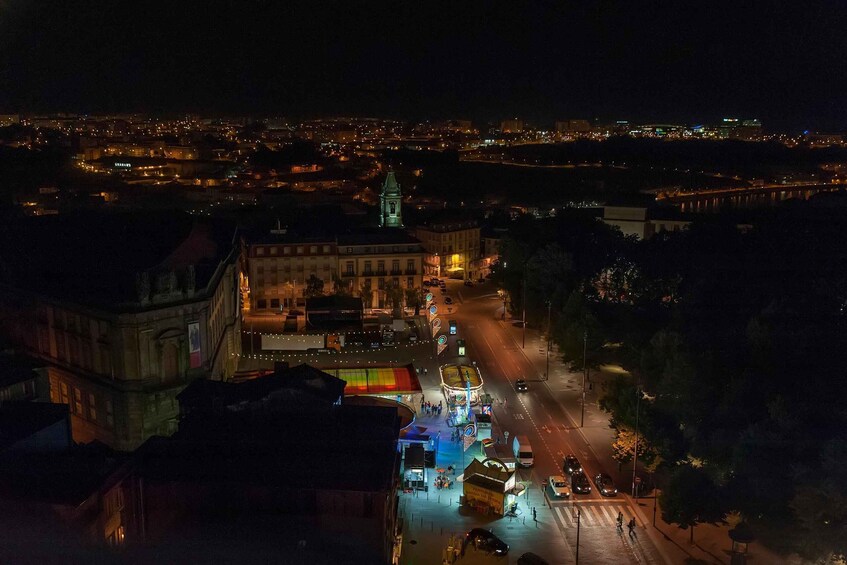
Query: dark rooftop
[[67, 478], [95, 258], [19, 420], [343, 447], [377, 236], [16, 369], [207, 395]]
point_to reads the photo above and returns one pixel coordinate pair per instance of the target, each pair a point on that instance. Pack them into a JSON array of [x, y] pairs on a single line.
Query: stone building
[[453, 247], [125, 310]]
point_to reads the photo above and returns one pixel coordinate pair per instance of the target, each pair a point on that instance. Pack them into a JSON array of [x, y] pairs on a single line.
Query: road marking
[[517, 416]]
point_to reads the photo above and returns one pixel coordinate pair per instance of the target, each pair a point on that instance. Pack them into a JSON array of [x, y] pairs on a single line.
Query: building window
[[326, 248], [313, 249], [381, 284], [64, 388], [368, 267], [286, 251], [110, 419], [273, 250], [410, 265], [260, 251], [380, 266], [170, 361], [299, 250], [349, 267], [410, 282], [349, 250], [77, 402], [275, 303], [92, 408], [395, 265]]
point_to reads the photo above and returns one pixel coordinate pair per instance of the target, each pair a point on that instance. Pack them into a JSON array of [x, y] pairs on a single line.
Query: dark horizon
[[780, 63]]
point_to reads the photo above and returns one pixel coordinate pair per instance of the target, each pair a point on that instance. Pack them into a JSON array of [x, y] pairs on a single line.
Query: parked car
[[468, 282], [486, 540], [530, 558], [520, 385], [580, 484], [571, 464], [605, 485], [559, 486]]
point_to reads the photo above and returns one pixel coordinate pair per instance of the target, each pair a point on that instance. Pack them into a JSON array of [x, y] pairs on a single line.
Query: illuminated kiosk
[[486, 486], [457, 383]]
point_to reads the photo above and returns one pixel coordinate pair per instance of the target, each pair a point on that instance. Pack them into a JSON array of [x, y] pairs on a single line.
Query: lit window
[[92, 408]]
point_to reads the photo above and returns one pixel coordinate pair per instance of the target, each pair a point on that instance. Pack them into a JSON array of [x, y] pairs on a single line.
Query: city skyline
[[542, 63]]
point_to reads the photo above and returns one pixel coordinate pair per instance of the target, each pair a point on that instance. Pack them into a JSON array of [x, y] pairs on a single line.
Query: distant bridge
[[743, 197]]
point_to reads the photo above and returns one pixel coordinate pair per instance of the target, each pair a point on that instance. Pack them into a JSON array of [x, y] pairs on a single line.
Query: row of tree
[[735, 341], [395, 297]]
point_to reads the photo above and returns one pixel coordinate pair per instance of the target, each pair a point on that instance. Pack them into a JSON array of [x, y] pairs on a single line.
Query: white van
[[523, 451]]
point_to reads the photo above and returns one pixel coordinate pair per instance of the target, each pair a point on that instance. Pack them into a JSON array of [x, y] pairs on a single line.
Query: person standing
[[620, 522]]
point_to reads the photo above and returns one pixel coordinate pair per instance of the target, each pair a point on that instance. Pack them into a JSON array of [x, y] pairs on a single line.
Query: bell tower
[[390, 202]]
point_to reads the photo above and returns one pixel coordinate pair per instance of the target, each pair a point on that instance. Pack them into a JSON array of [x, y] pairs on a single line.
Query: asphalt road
[[539, 415]]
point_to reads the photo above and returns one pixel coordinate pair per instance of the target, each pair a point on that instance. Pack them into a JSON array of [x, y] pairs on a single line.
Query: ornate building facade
[[122, 338]]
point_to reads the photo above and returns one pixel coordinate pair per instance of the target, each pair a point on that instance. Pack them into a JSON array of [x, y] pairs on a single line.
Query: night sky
[[784, 62]]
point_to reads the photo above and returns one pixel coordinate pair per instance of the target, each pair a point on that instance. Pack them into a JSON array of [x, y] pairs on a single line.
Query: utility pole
[[523, 338], [584, 348], [578, 519], [547, 360], [635, 455]]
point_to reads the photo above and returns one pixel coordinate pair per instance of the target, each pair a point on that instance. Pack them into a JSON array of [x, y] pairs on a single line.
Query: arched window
[[170, 361], [393, 208]]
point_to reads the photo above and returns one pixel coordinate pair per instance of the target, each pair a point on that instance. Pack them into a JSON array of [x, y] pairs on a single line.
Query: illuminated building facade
[[122, 335], [453, 248]]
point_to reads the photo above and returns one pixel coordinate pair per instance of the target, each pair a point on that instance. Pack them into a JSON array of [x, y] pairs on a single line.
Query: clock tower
[[390, 201]]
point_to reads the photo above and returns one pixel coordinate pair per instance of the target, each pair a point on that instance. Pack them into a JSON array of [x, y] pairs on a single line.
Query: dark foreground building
[[271, 470]]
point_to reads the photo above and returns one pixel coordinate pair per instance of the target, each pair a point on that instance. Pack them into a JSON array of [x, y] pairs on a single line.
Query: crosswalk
[[590, 515]]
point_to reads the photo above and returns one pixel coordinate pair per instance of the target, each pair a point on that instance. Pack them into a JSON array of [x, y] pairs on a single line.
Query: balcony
[[368, 273], [396, 272], [411, 271], [348, 274], [382, 273]]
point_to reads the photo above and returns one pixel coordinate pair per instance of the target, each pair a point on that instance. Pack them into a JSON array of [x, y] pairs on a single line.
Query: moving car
[[571, 464], [605, 485], [580, 484], [486, 540], [559, 487], [520, 385]]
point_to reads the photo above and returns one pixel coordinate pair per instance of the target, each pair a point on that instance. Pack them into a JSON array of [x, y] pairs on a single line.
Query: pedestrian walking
[[534, 515], [620, 522], [426, 372], [631, 526]]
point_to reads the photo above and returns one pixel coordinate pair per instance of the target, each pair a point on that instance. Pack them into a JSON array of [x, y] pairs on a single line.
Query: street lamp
[[523, 337], [635, 455], [547, 359], [578, 520], [584, 350]]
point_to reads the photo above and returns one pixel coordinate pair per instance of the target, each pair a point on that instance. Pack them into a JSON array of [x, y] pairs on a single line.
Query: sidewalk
[[711, 542]]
